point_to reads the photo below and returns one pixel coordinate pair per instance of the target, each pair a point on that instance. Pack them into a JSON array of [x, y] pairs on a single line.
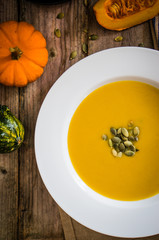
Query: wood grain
[[154, 38], [9, 162], [67, 225], [38, 214], [27, 211]]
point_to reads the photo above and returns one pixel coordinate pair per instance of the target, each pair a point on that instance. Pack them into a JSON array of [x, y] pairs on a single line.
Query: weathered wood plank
[[38, 214], [9, 162], [67, 225]]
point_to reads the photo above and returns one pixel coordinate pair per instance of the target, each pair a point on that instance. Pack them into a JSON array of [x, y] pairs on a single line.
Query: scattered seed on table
[[73, 55], [85, 48], [93, 37], [57, 33], [118, 39], [60, 15]]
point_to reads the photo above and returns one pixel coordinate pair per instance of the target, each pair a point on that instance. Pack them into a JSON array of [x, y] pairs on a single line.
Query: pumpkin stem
[[16, 53]]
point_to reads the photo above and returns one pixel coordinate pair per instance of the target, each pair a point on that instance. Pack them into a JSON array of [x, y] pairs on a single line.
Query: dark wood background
[[27, 211]]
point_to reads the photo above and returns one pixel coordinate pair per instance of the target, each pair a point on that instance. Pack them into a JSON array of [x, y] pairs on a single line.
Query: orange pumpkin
[[23, 53], [122, 14]]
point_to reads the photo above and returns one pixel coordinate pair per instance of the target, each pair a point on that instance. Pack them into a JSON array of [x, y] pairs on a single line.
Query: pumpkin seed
[[116, 140], [116, 147], [118, 39], [57, 33], [73, 55], [119, 131], [122, 147], [114, 152], [136, 139], [136, 131], [130, 132], [110, 142], [113, 130], [125, 132], [124, 138], [93, 37], [127, 143], [141, 45], [132, 148], [60, 15], [104, 137], [119, 154], [131, 138], [85, 30], [85, 2], [85, 48], [129, 153]]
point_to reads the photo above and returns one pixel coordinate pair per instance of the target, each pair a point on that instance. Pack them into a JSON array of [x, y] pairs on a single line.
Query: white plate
[[116, 218]]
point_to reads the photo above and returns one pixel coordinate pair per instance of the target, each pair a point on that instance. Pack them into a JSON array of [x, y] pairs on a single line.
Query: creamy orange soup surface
[[113, 105]]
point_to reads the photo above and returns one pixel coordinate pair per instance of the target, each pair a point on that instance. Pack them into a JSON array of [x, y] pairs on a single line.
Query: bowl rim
[[69, 179]]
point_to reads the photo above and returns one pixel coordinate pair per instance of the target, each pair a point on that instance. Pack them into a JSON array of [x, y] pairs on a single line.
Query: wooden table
[[27, 211]]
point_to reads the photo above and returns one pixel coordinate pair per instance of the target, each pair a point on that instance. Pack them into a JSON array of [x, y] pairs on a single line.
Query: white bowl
[[104, 215]]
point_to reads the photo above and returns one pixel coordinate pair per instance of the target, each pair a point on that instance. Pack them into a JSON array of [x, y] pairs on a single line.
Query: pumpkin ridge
[[7, 135], [1, 73], [33, 32], [4, 54], [10, 40], [19, 41], [6, 36], [19, 134], [14, 76], [18, 65], [7, 64], [25, 70], [29, 48], [32, 60], [8, 128], [17, 124]]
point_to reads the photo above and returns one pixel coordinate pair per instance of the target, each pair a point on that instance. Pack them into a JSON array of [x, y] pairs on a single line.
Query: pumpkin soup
[[116, 104]]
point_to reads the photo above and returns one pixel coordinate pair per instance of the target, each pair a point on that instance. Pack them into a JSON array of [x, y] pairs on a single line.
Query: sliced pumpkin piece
[[122, 14]]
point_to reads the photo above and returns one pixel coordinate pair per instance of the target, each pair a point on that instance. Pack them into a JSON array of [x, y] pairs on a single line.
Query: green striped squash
[[11, 131]]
